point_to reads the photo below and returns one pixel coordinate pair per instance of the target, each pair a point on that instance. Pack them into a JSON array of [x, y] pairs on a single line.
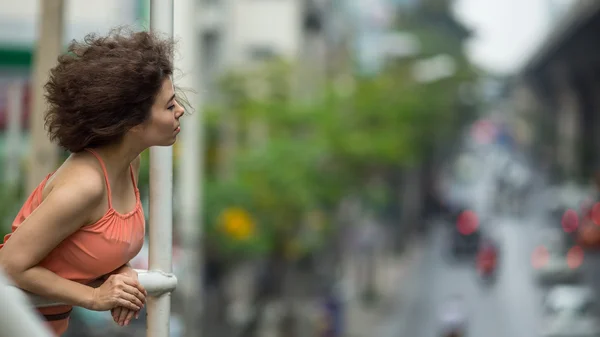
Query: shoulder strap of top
[[133, 177], [108, 192]]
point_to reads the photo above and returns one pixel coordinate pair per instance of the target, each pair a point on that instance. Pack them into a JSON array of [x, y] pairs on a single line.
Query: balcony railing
[[18, 317]]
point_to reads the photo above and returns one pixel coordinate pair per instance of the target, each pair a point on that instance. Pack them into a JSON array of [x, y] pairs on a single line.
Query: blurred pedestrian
[[109, 98]]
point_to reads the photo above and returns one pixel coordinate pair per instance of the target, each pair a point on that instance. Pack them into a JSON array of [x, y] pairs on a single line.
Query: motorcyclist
[[453, 318], [487, 257]]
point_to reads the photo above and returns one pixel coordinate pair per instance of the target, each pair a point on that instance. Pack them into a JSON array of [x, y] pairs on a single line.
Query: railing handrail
[[155, 282], [16, 317]]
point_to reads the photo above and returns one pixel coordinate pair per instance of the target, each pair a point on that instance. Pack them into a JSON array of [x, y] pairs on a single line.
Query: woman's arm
[[66, 209], [125, 269]]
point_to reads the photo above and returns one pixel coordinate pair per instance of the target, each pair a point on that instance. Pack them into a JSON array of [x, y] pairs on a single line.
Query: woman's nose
[[180, 111]]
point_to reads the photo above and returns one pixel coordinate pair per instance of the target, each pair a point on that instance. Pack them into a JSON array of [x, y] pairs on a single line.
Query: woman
[[109, 99]]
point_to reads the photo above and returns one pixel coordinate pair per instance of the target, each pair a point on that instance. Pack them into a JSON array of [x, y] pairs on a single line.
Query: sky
[[507, 32]]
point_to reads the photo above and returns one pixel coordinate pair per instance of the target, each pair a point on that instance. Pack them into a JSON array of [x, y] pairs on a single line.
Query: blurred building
[[560, 85], [239, 34]]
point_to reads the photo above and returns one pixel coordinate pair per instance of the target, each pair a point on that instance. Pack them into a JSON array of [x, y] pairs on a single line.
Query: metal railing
[[16, 317], [17, 307], [156, 284]]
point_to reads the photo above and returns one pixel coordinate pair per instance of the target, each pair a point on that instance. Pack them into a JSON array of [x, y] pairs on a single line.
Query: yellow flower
[[237, 223]]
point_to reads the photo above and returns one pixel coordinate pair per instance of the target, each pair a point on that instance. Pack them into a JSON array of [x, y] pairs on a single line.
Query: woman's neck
[[118, 157]]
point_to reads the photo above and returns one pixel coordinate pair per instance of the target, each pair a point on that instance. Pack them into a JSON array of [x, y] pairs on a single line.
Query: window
[[261, 53]]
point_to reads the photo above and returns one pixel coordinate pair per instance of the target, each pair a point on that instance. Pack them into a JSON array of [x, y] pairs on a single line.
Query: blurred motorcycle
[[453, 318], [487, 261]]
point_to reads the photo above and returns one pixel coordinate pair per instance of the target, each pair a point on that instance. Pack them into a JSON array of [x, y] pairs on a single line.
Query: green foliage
[[12, 198], [319, 152]]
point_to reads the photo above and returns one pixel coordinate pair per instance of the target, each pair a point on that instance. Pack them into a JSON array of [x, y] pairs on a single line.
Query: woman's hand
[[122, 315], [118, 290]]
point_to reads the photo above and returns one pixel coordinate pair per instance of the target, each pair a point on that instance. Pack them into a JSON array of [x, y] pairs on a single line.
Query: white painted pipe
[[160, 248], [16, 317], [156, 283], [190, 164]]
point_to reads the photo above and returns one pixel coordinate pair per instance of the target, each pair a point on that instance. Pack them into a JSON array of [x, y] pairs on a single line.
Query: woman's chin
[[172, 142], [168, 142]]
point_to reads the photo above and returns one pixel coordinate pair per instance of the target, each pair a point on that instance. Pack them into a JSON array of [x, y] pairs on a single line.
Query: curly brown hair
[[105, 85]]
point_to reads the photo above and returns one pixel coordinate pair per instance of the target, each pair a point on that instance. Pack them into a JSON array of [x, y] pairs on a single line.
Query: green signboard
[[15, 57]]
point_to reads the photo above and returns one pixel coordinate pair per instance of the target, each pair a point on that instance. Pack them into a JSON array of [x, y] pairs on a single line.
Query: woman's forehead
[[167, 90]]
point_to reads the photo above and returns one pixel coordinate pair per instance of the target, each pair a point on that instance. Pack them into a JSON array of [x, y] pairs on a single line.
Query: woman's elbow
[[12, 269]]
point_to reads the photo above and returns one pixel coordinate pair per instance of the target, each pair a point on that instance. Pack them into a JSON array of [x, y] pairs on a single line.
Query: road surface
[[509, 308]]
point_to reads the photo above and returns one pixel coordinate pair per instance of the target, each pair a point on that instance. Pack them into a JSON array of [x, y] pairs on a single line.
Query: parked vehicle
[[555, 268], [570, 311]]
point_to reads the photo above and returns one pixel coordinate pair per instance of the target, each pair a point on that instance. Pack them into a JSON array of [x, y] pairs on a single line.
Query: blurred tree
[[317, 153], [12, 196]]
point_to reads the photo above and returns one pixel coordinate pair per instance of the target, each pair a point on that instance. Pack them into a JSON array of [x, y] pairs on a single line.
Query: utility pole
[[44, 154], [191, 166]]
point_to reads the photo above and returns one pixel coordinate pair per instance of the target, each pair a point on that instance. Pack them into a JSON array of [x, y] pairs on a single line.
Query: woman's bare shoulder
[[78, 173]]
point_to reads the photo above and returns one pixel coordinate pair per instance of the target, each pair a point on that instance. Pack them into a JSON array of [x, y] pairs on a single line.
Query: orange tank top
[[92, 251]]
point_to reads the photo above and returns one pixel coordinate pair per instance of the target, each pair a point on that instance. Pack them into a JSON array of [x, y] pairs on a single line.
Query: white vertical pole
[[190, 167], [13, 138], [161, 198], [17, 319]]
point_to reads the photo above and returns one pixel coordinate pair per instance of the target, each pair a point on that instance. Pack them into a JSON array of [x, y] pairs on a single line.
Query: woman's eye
[[171, 107]]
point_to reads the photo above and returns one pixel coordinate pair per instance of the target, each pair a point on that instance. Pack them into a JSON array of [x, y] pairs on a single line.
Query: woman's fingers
[[127, 304], [116, 313], [134, 283], [136, 293], [129, 316], [123, 316]]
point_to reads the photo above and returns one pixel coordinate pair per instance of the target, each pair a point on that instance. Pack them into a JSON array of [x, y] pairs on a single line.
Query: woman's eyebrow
[[170, 99]]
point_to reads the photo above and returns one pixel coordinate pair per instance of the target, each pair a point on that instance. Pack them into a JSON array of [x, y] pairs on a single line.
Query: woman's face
[[162, 127]]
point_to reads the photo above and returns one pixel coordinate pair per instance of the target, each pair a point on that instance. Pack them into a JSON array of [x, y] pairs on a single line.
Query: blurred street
[[512, 305], [508, 308]]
